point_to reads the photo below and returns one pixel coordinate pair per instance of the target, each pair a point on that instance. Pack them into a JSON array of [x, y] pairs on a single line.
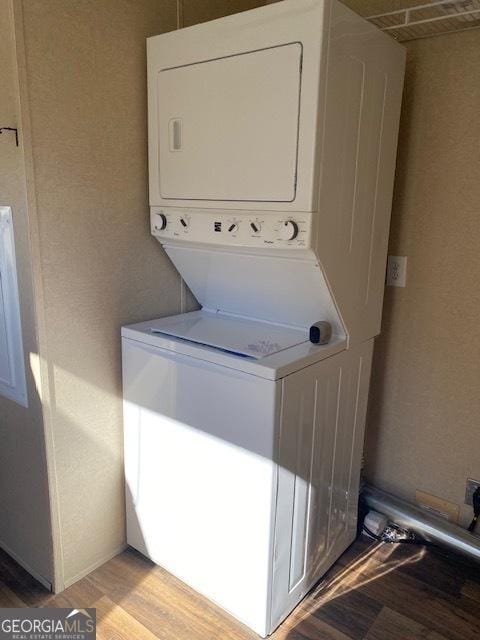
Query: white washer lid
[[234, 335]]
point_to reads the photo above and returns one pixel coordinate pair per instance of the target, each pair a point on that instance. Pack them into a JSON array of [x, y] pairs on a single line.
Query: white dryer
[[272, 143]]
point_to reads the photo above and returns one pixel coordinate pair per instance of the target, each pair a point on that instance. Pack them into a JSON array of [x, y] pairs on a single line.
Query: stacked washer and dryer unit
[[272, 144]]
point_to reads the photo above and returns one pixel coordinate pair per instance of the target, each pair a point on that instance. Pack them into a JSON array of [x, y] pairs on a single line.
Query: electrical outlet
[[396, 271], [472, 485]]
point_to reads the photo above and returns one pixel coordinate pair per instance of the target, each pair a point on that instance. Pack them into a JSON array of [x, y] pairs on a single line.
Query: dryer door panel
[[228, 128]]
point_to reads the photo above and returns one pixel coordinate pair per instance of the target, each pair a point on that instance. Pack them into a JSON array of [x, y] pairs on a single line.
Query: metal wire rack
[[425, 20]]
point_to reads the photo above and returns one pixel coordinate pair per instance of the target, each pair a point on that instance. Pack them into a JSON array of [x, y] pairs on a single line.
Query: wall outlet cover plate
[[397, 271]]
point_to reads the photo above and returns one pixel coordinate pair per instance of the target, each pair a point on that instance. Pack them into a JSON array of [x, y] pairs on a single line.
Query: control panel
[[232, 228]]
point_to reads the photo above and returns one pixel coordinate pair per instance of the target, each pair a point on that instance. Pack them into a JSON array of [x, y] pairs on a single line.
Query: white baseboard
[[43, 581], [92, 567]]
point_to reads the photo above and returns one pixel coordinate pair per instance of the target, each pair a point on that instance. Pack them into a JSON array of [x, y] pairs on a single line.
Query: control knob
[[184, 221], [256, 227], [160, 222], [288, 230], [233, 228]]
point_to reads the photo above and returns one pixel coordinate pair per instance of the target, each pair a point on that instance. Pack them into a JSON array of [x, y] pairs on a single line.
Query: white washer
[[242, 471], [272, 145]]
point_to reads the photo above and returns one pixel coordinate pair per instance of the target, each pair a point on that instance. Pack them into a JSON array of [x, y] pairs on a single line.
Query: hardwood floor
[[374, 592]]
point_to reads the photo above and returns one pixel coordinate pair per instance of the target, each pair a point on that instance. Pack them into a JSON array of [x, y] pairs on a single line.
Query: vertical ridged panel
[[323, 417]]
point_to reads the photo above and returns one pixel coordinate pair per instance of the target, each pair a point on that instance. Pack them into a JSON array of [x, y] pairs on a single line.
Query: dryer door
[[228, 127]]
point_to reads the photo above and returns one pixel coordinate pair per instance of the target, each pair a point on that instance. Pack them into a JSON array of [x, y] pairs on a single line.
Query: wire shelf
[[425, 20]]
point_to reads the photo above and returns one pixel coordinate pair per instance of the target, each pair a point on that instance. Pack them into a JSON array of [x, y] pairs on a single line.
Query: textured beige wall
[[424, 430], [196, 11], [86, 77], [25, 529]]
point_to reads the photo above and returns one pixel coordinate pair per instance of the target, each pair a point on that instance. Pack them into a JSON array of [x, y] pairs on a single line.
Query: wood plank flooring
[[374, 592]]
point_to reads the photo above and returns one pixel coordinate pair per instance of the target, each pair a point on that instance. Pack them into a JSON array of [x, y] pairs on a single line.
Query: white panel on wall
[[12, 367]]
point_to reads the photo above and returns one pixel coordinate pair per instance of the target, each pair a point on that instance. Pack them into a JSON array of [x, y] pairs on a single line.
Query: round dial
[[288, 230], [256, 226], [160, 221], [184, 222], [233, 227]]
